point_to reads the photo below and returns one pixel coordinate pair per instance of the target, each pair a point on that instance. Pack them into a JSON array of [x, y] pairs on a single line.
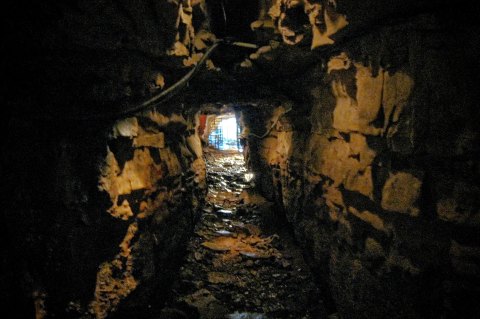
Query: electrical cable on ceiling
[[164, 95], [170, 91], [175, 88]]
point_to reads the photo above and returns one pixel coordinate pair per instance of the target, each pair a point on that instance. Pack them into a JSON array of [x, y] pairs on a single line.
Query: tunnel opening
[[240, 263], [225, 133]]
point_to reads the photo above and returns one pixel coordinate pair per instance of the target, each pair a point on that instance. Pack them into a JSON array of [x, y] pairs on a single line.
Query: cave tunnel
[[344, 187]]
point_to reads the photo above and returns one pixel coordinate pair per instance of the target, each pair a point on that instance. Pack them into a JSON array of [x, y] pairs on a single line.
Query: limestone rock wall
[[96, 211], [154, 175], [110, 234], [376, 169]]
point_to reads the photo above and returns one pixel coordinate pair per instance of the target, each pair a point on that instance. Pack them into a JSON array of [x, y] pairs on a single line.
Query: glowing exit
[[225, 133]]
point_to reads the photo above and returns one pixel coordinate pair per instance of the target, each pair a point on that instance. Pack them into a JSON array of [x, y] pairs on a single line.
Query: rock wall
[[105, 220], [376, 169], [96, 211], [375, 165]]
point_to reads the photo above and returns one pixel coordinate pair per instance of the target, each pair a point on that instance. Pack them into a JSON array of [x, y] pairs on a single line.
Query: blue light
[[225, 135]]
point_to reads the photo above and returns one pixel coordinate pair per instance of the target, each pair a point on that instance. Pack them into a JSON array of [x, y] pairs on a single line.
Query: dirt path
[[235, 267]]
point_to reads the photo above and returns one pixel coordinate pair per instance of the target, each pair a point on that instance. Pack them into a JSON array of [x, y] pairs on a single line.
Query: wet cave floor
[[237, 264]]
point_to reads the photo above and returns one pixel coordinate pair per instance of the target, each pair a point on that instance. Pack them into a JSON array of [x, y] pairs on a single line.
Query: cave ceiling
[[107, 56]]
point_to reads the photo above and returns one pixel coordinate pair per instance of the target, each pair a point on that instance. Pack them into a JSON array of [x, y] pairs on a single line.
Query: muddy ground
[[238, 263]]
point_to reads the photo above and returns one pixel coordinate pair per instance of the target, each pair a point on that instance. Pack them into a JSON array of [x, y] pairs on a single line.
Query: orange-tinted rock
[[401, 192], [122, 211], [361, 182], [374, 220], [323, 18], [115, 279], [150, 140]]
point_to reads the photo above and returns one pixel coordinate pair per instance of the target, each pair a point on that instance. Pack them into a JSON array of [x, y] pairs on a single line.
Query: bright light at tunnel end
[[229, 128], [225, 136]]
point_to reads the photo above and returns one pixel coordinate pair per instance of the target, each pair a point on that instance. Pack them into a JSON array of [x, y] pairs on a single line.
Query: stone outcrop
[[113, 231], [158, 183], [370, 174], [99, 205]]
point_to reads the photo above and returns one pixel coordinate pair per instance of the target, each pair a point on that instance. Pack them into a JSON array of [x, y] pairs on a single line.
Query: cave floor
[[238, 265]]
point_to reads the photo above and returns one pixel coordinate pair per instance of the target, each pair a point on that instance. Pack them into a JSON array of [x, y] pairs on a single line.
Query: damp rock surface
[[375, 165], [236, 265]]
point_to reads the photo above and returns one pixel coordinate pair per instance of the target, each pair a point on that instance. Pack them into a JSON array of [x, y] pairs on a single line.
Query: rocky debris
[[234, 267]]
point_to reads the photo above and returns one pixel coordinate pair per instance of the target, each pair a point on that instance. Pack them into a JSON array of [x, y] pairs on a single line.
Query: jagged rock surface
[[236, 265], [373, 178]]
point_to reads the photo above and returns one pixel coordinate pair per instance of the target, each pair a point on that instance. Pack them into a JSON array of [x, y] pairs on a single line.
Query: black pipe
[[160, 97], [152, 102]]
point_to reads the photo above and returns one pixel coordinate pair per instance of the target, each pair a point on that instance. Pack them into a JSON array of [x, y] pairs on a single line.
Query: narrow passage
[[238, 266]]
